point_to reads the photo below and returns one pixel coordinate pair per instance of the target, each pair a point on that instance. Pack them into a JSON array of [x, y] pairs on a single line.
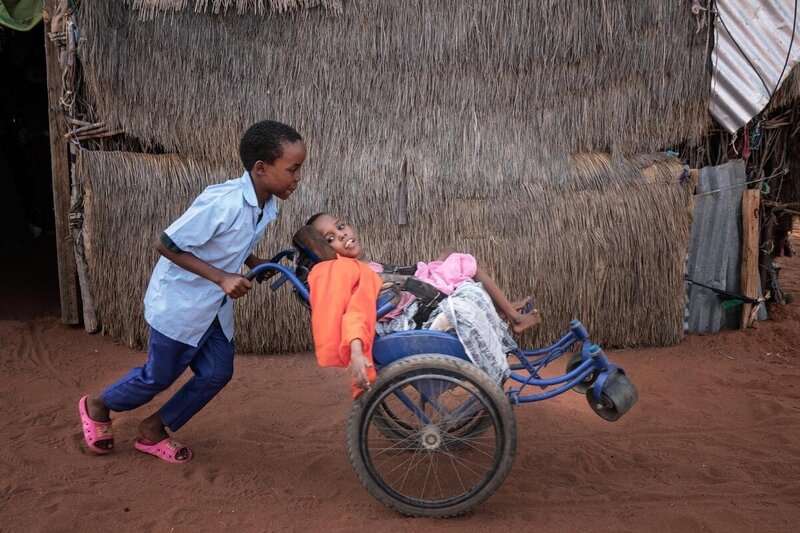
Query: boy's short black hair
[[262, 141]]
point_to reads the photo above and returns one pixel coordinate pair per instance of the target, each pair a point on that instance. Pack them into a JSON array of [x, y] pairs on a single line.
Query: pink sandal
[[94, 431], [167, 449]]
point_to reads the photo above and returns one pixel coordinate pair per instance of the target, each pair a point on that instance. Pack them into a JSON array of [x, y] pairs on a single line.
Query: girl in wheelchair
[[452, 293]]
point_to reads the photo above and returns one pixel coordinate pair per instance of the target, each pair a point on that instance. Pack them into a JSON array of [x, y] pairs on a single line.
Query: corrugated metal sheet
[[763, 32], [715, 246]]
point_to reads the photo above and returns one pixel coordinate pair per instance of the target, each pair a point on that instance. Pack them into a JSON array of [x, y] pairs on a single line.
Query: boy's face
[[340, 235], [282, 176]]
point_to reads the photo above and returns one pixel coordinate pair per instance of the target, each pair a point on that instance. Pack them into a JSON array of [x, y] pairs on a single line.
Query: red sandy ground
[[712, 445]]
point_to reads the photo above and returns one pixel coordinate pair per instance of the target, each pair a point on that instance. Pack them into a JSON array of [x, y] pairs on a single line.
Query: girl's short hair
[[314, 217]]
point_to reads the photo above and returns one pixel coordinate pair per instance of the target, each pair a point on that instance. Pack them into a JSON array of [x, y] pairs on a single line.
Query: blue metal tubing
[[570, 380], [403, 397], [435, 404], [551, 354], [460, 412], [588, 364], [384, 308], [298, 285], [544, 355], [528, 398], [593, 359], [280, 255], [568, 338]]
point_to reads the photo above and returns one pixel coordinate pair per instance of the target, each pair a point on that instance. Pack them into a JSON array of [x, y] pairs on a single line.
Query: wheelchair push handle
[[267, 270], [262, 274], [253, 274]]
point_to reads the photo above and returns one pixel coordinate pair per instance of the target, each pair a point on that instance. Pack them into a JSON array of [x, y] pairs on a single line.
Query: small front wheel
[[574, 362], [434, 436], [618, 396]]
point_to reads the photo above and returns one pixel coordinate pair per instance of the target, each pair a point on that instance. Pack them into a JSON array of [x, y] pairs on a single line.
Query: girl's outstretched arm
[[359, 363], [512, 311]]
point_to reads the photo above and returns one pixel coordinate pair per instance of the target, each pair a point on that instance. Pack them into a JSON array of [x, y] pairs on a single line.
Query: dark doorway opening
[[28, 269]]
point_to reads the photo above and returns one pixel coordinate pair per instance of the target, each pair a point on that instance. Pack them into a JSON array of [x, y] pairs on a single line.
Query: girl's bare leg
[[512, 311], [518, 321]]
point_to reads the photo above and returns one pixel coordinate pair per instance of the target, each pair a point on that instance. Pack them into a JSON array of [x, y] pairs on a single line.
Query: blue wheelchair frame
[[389, 348]]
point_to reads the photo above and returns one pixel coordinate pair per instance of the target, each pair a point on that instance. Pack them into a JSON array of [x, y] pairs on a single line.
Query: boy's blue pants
[[212, 364]]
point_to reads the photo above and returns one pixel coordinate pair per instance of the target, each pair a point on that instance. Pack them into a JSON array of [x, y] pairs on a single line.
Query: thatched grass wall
[[544, 76], [611, 255], [122, 217], [429, 123], [151, 8], [789, 92]]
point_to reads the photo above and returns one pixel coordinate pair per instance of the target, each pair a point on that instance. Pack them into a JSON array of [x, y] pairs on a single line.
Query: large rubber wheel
[[434, 436], [574, 362], [618, 396]]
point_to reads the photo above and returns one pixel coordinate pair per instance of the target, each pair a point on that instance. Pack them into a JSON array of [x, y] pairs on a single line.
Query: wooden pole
[[90, 322], [67, 273], [751, 199]]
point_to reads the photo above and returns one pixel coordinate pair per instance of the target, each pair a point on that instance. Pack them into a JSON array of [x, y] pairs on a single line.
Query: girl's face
[[340, 235]]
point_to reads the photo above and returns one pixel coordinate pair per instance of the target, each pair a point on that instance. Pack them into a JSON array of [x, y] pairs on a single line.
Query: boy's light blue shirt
[[221, 227]]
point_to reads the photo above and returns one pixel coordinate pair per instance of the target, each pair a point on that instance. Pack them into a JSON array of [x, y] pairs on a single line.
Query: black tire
[[618, 396], [468, 440], [574, 362]]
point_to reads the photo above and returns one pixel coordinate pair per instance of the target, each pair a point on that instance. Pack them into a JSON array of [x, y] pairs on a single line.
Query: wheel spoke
[[427, 473], [415, 455], [458, 474], [465, 462], [431, 459], [468, 443], [436, 476], [396, 446], [435, 436]]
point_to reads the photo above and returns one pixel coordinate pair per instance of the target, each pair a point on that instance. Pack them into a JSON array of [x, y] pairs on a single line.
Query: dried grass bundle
[[149, 9], [429, 124], [554, 77], [606, 243]]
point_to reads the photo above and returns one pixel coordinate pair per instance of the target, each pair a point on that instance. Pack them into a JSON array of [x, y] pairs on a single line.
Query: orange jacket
[[343, 295]]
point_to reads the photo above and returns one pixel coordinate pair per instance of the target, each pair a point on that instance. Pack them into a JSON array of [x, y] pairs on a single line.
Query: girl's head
[[339, 234]]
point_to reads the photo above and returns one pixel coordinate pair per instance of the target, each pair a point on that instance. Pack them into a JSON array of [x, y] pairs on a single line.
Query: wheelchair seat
[[312, 248]]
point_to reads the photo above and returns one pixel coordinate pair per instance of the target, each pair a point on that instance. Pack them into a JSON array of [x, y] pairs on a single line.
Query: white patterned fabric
[[472, 315]]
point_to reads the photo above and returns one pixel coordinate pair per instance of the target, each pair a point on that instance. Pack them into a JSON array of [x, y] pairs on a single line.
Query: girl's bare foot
[[519, 305], [522, 321]]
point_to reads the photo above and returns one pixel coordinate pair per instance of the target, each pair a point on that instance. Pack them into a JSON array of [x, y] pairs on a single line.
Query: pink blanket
[[448, 274], [444, 275]]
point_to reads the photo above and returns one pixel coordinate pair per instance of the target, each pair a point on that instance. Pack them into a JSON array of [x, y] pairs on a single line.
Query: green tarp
[[20, 14]]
